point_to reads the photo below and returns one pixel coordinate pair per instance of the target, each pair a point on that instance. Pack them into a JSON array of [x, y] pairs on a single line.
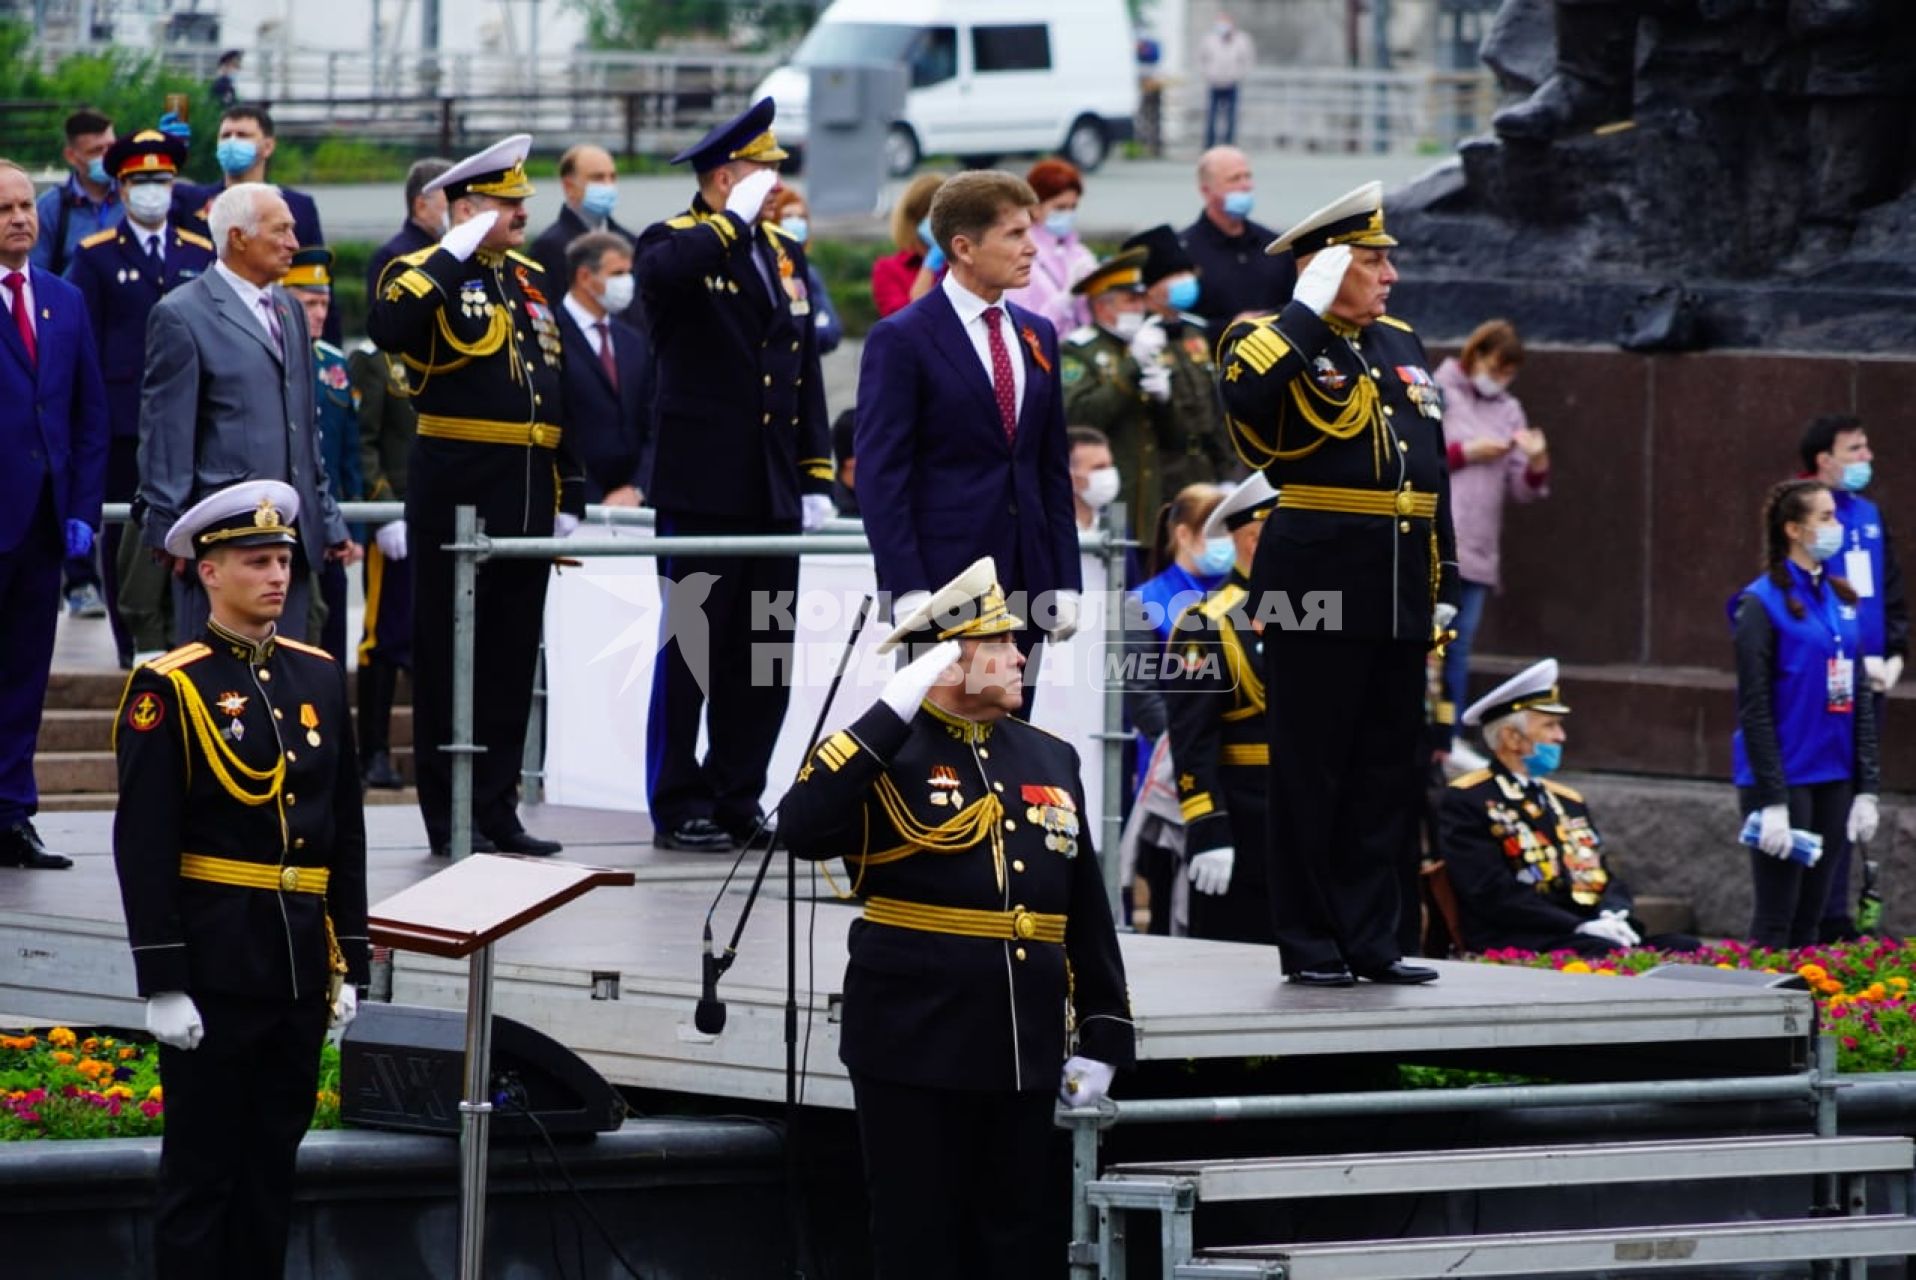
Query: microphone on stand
[[709, 1016]]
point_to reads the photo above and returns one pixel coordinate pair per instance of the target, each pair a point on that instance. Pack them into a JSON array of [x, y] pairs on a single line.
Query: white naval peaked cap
[[1355, 219], [250, 513], [971, 604], [1252, 500], [499, 170], [1532, 689]]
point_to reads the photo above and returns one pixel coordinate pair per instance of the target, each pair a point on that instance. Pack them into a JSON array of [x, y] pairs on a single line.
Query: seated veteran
[[1524, 858]]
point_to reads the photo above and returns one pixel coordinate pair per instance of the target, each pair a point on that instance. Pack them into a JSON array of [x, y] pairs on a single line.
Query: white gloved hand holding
[[1148, 343], [392, 540], [1085, 1081], [909, 684], [1623, 918], [1892, 672], [346, 1008], [1773, 837], [1883, 673], [1210, 871], [564, 524], [1155, 382], [1443, 615], [1318, 284], [173, 1019], [814, 509], [1067, 610], [464, 238], [1864, 817], [1614, 932], [748, 197]]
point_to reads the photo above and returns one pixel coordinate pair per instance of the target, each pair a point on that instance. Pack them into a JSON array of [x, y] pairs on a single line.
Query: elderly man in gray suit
[[228, 396]]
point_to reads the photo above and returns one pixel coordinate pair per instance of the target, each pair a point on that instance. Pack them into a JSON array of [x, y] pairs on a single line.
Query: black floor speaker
[[403, 1067]]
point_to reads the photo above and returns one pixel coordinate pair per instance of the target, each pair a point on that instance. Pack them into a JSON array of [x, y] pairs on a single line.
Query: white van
[[988, 77]]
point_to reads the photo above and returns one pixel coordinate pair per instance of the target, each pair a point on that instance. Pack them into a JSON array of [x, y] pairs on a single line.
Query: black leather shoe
[[695, 835], [525, 843], [753, 831], [1399, 974], [1337, 976], [380, 774], [20, 847], [479, 845]]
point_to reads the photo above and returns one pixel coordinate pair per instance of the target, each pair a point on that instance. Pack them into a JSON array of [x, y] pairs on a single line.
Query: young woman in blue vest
[[1805, 746]]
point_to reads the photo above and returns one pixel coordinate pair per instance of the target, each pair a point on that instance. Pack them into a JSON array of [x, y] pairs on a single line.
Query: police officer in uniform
[[241, 850], [986, 944], [121, 272], [741, 445], [470, 322], [1114, 381], [1333, 400], [1192, 445], [1215, 710]]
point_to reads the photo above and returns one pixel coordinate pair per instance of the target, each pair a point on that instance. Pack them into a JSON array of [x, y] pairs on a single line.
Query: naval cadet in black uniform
[[471, 325], [986, 949], [241, 850], [741, 445], [1214, 705], [1356, 574]]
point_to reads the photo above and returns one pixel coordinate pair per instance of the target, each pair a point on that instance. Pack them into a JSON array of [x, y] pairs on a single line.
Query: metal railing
[[1342, 110]]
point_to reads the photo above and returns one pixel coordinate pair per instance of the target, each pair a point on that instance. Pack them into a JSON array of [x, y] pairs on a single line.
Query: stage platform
[[615, 975]]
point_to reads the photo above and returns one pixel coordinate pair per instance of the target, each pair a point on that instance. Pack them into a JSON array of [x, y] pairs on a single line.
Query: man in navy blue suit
[[53, 434], [960, 427], [608, 369]]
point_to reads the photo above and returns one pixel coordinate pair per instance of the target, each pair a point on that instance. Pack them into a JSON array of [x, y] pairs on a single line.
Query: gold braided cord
[[978, 821], [219, 756], [495, 336], [1356, 411], [335, 957]]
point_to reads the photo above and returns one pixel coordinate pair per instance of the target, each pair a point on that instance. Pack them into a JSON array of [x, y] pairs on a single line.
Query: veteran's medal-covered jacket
[[238, 771], [1347, 423], [476, 349], [987, 942]]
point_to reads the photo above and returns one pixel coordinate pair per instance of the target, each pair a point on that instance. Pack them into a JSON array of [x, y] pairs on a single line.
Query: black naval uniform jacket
[[1524, 858], [478, 343], [197, 729], [938, 1010], [738, 424], [1214, 708], [1317, 403]]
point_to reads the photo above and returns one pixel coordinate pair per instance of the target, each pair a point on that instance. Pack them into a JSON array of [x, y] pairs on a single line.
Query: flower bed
[[1861, 988], [66, 1084]]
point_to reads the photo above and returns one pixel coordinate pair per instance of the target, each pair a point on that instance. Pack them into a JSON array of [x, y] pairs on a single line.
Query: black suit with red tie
[[611, 408]]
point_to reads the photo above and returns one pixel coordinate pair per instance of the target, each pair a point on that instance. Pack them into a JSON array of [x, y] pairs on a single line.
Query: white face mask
[[618, 292], [1488, 386], [1127, 324], [1100, 488], [149, 202]]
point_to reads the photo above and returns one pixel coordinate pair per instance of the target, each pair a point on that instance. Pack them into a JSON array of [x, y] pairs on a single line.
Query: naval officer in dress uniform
[[740, 445], [1216, 711], [986, 947], [241, 850], [471, 324], [1332, 398]]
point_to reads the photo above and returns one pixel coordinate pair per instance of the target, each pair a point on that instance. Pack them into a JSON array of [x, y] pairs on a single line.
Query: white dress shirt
[[971, 310], [249, 296], [26, 296], [588, 322]]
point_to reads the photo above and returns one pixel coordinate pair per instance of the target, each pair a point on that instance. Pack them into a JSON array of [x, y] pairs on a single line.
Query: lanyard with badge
[[1840, 680], [1858, 569]]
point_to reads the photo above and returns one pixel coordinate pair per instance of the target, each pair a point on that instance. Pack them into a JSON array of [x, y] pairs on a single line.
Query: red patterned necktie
[[1003, 385], [17, 284], [610, 365]]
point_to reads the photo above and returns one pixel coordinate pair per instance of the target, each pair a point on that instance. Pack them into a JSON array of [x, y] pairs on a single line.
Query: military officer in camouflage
[[241, 850], [1193, 447], [986, 948], [1333, 400], [471, 324], [1114, 380]]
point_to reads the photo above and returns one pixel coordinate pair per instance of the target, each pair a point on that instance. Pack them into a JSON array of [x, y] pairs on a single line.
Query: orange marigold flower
[[62, 1038], [1575, 966], [128, 1053], [64, 1058], [91, 1044]]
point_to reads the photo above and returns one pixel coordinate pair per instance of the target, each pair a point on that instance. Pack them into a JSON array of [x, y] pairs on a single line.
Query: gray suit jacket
[[218, 405]]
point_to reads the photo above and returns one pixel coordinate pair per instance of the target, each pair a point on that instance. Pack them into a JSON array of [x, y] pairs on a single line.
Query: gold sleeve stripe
[[413, 281], [837, 750], [1195, 807], [1262, 348]]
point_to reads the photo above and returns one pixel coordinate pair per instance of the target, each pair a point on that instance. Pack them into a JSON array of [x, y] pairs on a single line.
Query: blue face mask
[[1829, 540], [1239, 203], [236, 155], [1219, 554], [1060, 223], [599, 199], [1856, 476], [1544, 759], [96, 171], [798, 228], [1182, 293]]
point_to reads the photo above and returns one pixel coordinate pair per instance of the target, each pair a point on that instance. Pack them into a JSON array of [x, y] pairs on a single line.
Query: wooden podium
[[461, 912]]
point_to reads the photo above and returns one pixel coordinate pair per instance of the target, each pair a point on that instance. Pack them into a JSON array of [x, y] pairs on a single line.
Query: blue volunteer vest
[[1863, 531], [1818, 745]]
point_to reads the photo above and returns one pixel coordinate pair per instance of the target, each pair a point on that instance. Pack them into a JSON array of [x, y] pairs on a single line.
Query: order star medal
[[233, 706], [309, 720]]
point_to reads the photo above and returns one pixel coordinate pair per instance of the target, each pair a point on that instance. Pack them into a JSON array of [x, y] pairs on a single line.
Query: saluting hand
[[1319, 282], [748, 197]]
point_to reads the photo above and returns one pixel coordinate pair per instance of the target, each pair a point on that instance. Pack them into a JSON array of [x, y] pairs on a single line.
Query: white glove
[[1883, 673], [1317, 286], [1085, 1081], [464, 238], [564, 524], [172, 1018], [814, 509], [749, 195], [1069, 605], [1148, 343], [1210, 871], [1614, 932], [1155, 381], [1623, 918], [1863, 819], [347, 1007], [1443, 615], [1773, 837], [908, 685], [1892, 672], [392, 540]]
